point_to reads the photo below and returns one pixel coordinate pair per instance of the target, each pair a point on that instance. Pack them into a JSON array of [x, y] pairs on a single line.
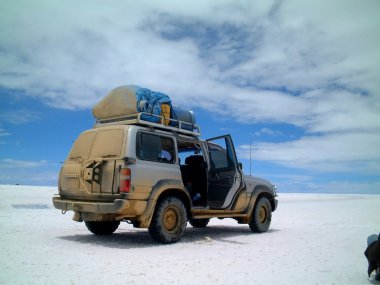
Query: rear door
[[99, 171], [225, 178], [70, 176], [91, 168]]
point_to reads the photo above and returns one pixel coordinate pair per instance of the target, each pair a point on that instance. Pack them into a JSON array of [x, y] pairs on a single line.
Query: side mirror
[[240, 165]]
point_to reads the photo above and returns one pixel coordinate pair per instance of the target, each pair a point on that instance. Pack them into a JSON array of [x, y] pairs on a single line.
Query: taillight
[[125, 180]]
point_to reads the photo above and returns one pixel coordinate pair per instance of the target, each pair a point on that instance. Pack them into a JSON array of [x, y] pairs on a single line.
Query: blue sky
[[297, 82]]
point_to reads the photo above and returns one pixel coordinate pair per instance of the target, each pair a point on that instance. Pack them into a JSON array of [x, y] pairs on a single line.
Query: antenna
[[250, 157]]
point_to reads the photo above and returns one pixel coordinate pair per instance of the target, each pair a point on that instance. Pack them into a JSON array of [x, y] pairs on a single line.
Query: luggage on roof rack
[[130, 104], [131, 99]]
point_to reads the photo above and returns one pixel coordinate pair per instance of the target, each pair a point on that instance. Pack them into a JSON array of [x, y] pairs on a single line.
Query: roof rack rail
[[167, 124]]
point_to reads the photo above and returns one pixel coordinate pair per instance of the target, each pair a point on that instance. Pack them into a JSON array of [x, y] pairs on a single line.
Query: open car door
[[225, 177]]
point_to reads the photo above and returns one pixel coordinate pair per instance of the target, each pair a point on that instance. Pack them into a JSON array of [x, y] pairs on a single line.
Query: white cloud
[[19, 116], [349, 152], [28, 172], [342, 111], [316, 44], [267, 131], [73, 62], [298, 184], [4, 133], [314, 65], [8, 163]]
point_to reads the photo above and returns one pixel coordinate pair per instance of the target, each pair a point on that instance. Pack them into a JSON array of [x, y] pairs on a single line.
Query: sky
[[295, 83]]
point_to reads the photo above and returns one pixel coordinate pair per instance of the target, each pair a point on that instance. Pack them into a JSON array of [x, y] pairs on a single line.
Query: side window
[[155, 148], [221, 155], [189, 153]]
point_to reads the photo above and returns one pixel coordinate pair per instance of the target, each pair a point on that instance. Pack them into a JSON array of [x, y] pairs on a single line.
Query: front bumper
[[274, 204]]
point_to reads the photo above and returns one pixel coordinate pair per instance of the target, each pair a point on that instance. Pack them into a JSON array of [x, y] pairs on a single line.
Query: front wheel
[[102, 228], [261, 216], [169, 220]]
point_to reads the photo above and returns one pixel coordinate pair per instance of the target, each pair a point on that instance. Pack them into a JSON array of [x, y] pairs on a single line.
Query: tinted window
[[155, 148], [221, 155]]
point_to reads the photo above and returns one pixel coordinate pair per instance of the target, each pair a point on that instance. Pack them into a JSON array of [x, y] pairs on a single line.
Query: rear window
[[82, 146], [155, 148], [105, 143], [108, 143]]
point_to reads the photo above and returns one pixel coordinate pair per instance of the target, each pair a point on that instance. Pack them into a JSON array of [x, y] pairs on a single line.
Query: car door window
[[221, 156], [224, 177]]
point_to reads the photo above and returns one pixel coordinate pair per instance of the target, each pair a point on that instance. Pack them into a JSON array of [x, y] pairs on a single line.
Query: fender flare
[[257, 193], [161, 189]]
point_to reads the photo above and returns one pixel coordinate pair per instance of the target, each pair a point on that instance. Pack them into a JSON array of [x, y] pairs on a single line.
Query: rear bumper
[[118, 206]]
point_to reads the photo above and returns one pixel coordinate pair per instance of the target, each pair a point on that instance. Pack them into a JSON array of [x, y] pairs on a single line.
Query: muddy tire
[[199, 223], [102, 228], [261, 216], [169, 220]]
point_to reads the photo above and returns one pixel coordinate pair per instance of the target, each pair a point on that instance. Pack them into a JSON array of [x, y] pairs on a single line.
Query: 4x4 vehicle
[[158, 177]]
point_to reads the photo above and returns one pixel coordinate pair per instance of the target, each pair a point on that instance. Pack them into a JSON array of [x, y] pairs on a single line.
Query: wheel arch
[[180, 194], [161, 190], [259, 192]]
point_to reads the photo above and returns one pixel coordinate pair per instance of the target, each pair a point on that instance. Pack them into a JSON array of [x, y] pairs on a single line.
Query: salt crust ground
[[314, 239]]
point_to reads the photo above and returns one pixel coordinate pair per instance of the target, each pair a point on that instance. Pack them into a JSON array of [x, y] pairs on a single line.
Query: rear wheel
[[102, 228], [169, 220], [199, 223], [261, 216]]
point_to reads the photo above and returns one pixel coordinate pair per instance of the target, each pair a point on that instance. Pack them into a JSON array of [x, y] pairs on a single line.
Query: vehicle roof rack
[[166, 124]]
